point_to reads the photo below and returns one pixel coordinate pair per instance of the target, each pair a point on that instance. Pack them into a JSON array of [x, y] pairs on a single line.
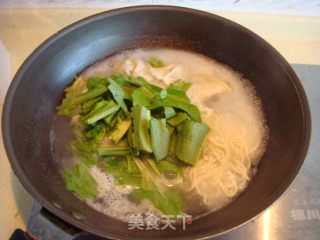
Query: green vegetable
[[118, 94], [129, 179], [67, 108], [169, 112], [150, 175], [79, 180], [114, 165], [137, 81], [101, 113], [156, 63], [123, 78], [160, 138], [97, 133], [93, 93], [124, 169], [120, 130], [142, 96], [132, 166], [169, 169], [141, 123], [141, 120], [177, 102], [171, 130], [89, 105], [85, 149], [189, 141], [153, 189], [180, 85], [94, 81], [96, 108], [153, 89], [152, 165], [117, 151], [111, 120], [128, 90], [163, 94], [179, 89], [178, 119], [169, 202]]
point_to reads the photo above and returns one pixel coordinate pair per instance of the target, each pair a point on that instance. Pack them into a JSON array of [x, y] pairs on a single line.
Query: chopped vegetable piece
[[128, 90], [114, 162], [153, 166], [109, 119], [155, 90], [142, 96], [102, 113], [120, 130], [169, 112], [67, 108], [84, 150], [169, 168], [119, 150], [97, 133], [114, 165], [170, 129], [177, 102], [163, 94], [150, 176], [139, 81], [180, 85], [141, 123], [177, 93], [119, 168], [130, 179], [112, 124], [118, 94], [119, 78], [156, 63], [171, 154], [88, 106], [169, 202], [132, 166], [93, 93], [123, 78], [160, 138], [179, 88], [96, 108], [84, 147], [79, 180], [189, 141], [178, 119], [93, 81], [132, 142]]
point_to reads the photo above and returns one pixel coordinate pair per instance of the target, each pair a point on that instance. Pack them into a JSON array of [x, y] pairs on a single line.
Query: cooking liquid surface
[[217, 90]]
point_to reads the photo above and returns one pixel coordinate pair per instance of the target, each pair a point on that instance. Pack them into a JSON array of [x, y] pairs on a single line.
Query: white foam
[[113, 200]]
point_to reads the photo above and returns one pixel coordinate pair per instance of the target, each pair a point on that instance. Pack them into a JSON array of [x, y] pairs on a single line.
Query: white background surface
[[297, 38]]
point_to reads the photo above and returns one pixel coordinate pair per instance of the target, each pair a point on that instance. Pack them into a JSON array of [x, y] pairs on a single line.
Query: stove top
[[296, 216]]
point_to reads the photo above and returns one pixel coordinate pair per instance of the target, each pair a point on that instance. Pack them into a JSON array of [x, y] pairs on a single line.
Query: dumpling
[[167, 74]]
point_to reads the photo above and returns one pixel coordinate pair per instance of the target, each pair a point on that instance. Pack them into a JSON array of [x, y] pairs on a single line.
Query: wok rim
[[23, 178]]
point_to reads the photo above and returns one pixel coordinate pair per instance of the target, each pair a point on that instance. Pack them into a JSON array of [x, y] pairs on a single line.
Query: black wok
[[38, 87]]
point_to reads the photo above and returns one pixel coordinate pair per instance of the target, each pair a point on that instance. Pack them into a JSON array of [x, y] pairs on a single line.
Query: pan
[[37, 89]]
